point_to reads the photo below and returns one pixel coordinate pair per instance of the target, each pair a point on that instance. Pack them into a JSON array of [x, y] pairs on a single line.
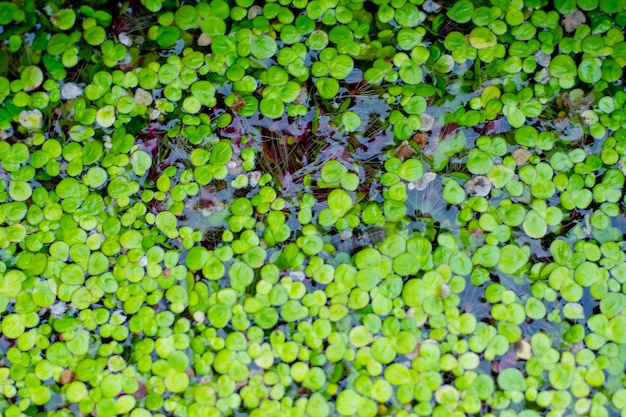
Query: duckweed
[[312, 208]]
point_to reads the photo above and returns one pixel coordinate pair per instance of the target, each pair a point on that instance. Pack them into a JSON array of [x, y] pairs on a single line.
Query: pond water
[[312, 208]]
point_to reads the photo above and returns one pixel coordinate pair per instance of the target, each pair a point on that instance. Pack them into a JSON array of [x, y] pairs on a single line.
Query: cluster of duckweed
[[312, 208]]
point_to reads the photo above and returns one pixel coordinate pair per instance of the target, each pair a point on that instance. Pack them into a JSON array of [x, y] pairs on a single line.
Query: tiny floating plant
[[312, 208]]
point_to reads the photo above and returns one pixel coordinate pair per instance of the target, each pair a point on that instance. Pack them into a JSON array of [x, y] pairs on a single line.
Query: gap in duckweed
[[312, 208]]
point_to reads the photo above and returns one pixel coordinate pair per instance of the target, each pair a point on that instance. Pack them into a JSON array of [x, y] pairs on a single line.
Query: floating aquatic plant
[[312, 208]]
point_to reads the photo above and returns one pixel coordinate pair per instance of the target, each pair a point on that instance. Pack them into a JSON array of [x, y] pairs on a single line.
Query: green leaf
[[73, 274], [617, 329], [339, 202], [411, 73], [534, 225], [351, 121], [241, 275], [453, 193], [221, 153], [204, 91], [31, 77], [187, 17], [94, 35], [341, 67], [511, 379], [482, 37], [167, 36], [333, 171], [106, 116], [8, 12], [327, 87], [589, 71], [514, 115], [512, 258], [407, 15], [177, 382], [166, 222], [461, 12], [412, 170], [19, 190], [403, 129], [12, 326], [263, 47], [272, 107], [563, 66], [347, 401], [58, 354]]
